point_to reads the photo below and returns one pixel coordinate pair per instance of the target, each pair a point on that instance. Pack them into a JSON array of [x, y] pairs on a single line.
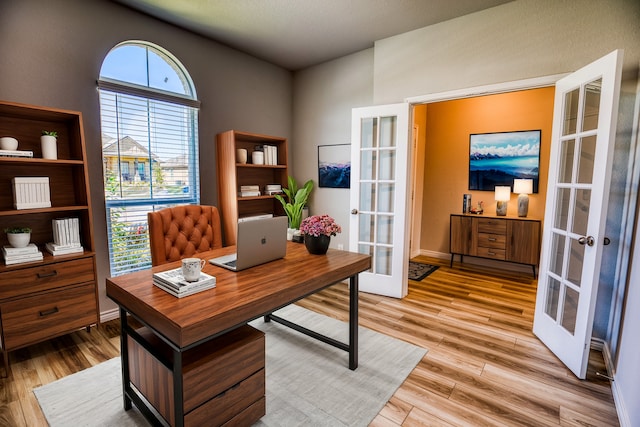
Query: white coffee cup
[[257, 158], [191, 268], [241, 155]]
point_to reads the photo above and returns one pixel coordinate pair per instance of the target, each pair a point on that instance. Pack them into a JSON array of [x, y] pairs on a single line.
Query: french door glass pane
[[368, 132], [387, 165], [566, 161], [586, 159], [367, 196], [571, 100], [385, 197], [591, 105], [557, 254], [383, 260], [388, 131], [581, 212], [385, 230], [570, 309], [368, 163], [576, 257], [366, 227], [553, 294], [562, 208], [367, 250]]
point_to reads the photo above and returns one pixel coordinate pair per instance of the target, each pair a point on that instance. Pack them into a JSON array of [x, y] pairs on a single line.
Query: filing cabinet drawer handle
[[48, 274], [54, 310], [492, 239], [491, 253]]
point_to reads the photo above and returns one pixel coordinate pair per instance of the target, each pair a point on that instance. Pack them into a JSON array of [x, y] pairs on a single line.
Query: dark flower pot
[[317, 245]]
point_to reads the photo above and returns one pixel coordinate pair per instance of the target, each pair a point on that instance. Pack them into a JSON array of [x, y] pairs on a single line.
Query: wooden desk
[[188, 323]]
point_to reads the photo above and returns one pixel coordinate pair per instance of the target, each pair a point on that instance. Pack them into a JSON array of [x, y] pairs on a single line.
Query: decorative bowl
[[8, 143]]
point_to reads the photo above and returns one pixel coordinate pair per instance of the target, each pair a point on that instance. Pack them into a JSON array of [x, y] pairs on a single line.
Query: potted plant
[[317, 231], [295, 201], [48, 141], [18, 237]]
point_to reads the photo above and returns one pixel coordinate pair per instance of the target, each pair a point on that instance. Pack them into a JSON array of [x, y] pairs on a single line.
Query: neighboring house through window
[[149, 114]]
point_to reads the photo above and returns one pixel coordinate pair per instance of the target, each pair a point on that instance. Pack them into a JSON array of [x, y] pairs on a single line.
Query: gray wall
[[52, 52], [518, 40]]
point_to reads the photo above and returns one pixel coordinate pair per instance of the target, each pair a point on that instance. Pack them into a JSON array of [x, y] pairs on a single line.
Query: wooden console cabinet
[[40, 300], [220, 382], [511, 239], [232, 175]]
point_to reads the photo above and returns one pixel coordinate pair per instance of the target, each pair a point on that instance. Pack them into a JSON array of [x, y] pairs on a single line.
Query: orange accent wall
[[446, 159]]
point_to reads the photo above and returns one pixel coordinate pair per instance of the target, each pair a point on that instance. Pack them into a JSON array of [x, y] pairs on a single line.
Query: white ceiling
[[296, 34]]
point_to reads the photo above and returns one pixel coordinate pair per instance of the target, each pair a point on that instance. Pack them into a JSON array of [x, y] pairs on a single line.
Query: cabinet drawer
[[46, 277], [491, 253], [495, 241], [225, 406], [29, 320], [492, 226]]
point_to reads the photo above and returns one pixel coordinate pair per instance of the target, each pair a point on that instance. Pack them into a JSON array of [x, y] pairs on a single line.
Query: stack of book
[[29, 253], [270, 154], [173, 282], [249, 190], [16, 153], [66, 237], [272, 189]]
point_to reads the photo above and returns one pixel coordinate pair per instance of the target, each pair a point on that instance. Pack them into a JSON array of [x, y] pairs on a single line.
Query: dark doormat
[[418, 271]]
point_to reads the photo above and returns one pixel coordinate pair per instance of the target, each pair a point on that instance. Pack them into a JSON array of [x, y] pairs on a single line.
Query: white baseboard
[[112, 314], [621, 410]]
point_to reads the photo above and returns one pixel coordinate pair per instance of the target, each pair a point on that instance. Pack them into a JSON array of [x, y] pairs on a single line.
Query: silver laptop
[[258, 241]]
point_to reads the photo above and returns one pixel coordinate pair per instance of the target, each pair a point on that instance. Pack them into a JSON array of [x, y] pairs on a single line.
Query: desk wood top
[[237, 298]]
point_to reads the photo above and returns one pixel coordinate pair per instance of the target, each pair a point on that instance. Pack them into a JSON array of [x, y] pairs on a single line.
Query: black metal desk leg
[[178, 390], [353, 322], [124, 358]]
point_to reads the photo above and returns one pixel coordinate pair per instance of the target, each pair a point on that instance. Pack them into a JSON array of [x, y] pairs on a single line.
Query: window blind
[[150, 161]]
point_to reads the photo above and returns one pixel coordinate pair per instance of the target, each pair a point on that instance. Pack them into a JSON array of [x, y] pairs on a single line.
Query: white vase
[[19, 240], [49, 147]]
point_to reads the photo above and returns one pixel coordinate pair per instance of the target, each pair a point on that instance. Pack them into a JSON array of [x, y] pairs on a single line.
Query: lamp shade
[[523, 186], [503, 193]]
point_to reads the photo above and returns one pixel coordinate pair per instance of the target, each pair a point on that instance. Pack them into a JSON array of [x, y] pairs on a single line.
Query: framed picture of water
[[334, 166], [498, 158]]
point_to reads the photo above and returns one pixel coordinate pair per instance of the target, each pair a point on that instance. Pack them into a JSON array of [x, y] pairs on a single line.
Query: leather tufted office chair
[[181, 231]]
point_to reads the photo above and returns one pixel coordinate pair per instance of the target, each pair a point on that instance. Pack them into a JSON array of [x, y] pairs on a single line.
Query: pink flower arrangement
[[317, 225]]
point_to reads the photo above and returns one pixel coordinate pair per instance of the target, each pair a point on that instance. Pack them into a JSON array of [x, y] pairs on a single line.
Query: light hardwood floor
[[484, 367]]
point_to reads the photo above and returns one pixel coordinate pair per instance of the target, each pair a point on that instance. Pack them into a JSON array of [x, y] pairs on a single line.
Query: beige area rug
[[308, 382]]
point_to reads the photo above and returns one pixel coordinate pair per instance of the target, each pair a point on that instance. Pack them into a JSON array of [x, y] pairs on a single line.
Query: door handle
[[588, 240], [354, 211]]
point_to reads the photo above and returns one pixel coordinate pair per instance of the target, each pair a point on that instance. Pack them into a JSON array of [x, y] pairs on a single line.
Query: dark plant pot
[[317, 245]]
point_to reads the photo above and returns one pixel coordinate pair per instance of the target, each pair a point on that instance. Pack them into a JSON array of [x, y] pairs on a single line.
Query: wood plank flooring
[[484, 366]]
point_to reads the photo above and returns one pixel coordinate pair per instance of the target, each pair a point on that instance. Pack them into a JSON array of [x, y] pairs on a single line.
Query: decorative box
[[31, 192]]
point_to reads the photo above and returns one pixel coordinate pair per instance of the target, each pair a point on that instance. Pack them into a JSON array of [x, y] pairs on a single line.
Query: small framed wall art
[[334, 166]]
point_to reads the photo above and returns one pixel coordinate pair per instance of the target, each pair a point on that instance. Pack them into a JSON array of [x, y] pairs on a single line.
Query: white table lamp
[[523, 187], [503, 194]]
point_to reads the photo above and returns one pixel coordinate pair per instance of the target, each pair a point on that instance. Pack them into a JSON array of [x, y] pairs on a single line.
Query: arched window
[[149, 118]]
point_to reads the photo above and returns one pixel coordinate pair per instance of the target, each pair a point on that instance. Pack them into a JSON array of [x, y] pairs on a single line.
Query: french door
[[378, 196], [585, 113]]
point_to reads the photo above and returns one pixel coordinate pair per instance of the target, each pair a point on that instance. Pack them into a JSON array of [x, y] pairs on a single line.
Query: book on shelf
[[55, 249], [16, 153], [249, 188], [270, 154], [31, 248], [173, 282], [254, 217], [19, 259], [248, 193]]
